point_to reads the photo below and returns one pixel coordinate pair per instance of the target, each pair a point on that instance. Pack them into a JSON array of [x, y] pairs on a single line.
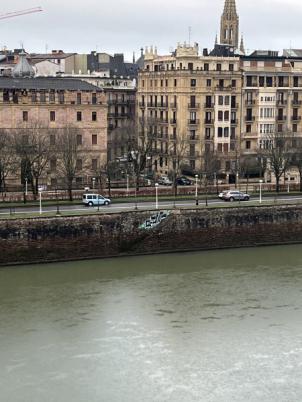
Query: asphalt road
[[120, 207]]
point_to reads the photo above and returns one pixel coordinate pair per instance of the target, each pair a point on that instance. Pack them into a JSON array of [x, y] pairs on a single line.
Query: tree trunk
[[137, 182], [109, 185], [277, 184], [69, 188], [300, 173]]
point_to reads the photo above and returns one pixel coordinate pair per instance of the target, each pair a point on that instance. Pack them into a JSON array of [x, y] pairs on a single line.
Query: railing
[[193, 138], [206, 121], [296, 118], [281, 102], [193, 106], [249, 118], [209, 105], [250, 102], [296, 102], [281, 118], [173, 121], [193, 122]]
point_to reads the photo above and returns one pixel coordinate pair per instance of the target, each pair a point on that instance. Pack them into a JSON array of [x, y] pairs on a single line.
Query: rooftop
[[47, 83]]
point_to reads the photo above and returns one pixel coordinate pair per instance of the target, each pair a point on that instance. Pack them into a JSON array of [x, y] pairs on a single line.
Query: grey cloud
[[126, 25]]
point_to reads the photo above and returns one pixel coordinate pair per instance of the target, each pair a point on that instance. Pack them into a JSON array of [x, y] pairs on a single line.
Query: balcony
[[296, 102], [281, 118], [235, 106], [281, 102], [193, 106], [208, 122], [296, 118], [163, 122], [193, 122], [162, 105], [209, 105], [234, 121], [173, 121], [250, 102], [193, 138], [249, 119], [142, 104]]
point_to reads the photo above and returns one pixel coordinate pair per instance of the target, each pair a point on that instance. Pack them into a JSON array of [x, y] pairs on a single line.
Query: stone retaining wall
[[97, 236]]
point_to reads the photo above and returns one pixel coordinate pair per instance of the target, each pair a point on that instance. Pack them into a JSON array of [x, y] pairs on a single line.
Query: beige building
[[195, 101]]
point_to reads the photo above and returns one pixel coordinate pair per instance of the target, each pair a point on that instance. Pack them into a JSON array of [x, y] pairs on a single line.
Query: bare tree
[[210, 167], [297, 157], [179, 155], [70, 152], [248, 166], [137, 143], [277, 150], [33, 147], [8, 159]]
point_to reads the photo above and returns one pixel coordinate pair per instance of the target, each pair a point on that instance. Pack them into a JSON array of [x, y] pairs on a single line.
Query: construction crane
[[19, 13]]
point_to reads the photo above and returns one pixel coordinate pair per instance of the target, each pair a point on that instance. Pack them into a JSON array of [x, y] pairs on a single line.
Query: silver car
[[234, 195]]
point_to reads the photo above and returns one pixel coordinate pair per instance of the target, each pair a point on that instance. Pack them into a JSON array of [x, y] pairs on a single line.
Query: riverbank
[[146, 232]]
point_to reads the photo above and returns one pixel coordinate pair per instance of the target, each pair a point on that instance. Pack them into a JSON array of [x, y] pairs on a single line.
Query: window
[[79, 98], [79, 116], [234, 83], [79, 139], [206, 66], [208, 133], [226, 115], [79, 164], [295, 128], [52, 116], [220, 115], [34, 97], [93, 99], [94, 116], [42, 97], [221, 83], [52, 139], [94, 164], [220, 100], [231, 67], [61, 97], [94, 139], [220, 131], [193, 82], [248, 128], [25, 116], [53, 165], [209, 83], [226, 132], [248, 145], [52, 96], [175, 82], [296, 81], [218, 67]]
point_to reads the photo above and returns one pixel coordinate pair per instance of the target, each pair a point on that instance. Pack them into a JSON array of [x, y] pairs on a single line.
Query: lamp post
[[237, 181], [127, 177], [40, 200], [93, 183], [260, 195], [156, 195], [196, 189], [288, 181], [26, 186]]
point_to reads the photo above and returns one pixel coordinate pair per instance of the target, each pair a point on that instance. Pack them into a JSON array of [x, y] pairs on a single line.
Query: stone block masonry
[[99, 236]]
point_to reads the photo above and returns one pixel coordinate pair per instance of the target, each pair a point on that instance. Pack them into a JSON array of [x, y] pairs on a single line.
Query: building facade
[[52, 105], [195, 102]]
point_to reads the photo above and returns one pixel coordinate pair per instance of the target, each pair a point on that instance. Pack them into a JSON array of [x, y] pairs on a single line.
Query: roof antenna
[[190, 32]]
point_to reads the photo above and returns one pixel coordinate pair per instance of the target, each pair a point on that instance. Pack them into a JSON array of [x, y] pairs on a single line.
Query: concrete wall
[[50, 239]]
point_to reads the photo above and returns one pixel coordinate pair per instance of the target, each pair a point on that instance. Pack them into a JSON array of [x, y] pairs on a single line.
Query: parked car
[[234, 195], [165, 181], [91, 200], [183, 181]]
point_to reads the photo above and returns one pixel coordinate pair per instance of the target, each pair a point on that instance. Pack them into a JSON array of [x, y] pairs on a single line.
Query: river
[[212, 326]]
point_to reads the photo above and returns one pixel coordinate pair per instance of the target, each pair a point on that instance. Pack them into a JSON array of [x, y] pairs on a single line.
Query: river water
[[211, 326]]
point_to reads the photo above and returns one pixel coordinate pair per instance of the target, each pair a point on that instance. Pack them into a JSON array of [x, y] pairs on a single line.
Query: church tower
[[229, 27]]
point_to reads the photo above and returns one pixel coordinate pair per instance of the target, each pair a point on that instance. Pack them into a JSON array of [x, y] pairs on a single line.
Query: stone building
[[194, 100], [54, 104]]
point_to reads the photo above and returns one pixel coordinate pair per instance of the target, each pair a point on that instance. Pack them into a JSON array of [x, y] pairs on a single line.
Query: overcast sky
[[125, 26]]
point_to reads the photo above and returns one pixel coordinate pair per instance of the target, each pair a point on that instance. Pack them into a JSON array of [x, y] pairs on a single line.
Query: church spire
[[242, 49], [229, 28]]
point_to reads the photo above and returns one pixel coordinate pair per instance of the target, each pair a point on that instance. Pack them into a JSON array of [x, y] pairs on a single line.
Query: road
[[122, 207]]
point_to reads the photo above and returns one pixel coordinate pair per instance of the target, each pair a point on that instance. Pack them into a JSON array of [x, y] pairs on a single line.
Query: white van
[[91, 200]]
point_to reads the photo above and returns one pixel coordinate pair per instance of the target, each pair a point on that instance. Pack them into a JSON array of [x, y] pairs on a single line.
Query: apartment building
[[54, 104], [195, 103]]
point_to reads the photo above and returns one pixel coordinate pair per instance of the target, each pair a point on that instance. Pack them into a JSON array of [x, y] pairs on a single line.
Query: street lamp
[[26, 186], [93, 183], [127, 177], [260, 195], [288, 181], [196, 189], [40, 199], [156, 195]]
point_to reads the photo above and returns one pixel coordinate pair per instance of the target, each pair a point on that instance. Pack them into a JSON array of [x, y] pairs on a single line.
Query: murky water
[[212, 326]]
